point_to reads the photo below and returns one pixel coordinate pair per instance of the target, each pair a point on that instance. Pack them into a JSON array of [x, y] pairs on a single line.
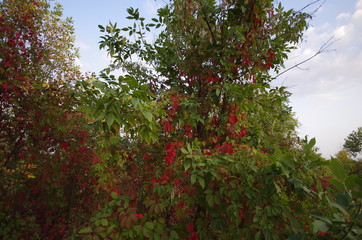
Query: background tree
[[353, 142], [352, 166], [45, 152], [345, 157]]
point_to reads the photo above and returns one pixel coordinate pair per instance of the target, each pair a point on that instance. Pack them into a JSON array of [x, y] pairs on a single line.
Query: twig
[[303, 69], [310, 4]]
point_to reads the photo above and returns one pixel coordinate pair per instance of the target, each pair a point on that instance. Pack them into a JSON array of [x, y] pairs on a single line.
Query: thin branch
[[352, 223], [316, 10], [310, 4], [303, 69], [322, 49], [208, 24]]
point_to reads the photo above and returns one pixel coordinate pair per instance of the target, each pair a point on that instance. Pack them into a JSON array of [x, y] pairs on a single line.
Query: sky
[[326, 91]]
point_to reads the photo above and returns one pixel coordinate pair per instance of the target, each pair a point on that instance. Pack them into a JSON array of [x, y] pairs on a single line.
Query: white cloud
[[329, 96], [359, 4], [357, 15], [340, 32], [343, 16], [82, 46]]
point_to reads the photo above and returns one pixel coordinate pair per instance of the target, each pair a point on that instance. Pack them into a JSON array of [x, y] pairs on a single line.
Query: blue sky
[[326, 90]]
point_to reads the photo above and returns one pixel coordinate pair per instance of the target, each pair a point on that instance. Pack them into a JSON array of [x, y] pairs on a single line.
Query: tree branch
[[208, 24], [322, 49]]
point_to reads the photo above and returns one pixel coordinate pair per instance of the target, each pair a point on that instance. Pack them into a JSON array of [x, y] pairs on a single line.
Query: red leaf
[[227, 148], [167, 127], [242, 133], [232, 118], [4, 86], [268, 64], [214, 120], [188, 132], [171, 153], [190, 227]]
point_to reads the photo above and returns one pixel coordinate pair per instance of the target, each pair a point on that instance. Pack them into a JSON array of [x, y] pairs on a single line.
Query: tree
[[45, 152], [196, 143], [353, 142]]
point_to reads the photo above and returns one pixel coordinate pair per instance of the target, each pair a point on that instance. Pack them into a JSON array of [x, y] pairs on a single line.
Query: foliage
[[353, 142], [343, 219], [190, 142], [198, 144], [45, 152]]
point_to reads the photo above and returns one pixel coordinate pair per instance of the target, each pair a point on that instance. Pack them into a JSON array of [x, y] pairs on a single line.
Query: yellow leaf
[[31, 166], [31, 176]]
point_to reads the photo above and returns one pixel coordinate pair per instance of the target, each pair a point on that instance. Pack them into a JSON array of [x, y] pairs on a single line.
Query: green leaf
[[156, 236], [85, 230], [98, 84], [336, 183], [340, 208], [210, 199], [104, 222], [253, 167], [146, 232], [187, 164], [149, 225], [319, 226], [217, 91], [201, 181], [342, 199], [174, 235], [189, 148], [103, 235], [110, 120], [338, 169], [137, 229], [324, 219], [111, 228], [184, 151], [351, 181], [114, 195], [310, 145], [193, 179], [135, 102], [147, 115], [285, 170], [357, 194], [359, 181], [319, 186], [250, 179]]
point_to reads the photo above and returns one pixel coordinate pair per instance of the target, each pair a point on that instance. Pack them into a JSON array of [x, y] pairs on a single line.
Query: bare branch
[[322, 49], [310, 4]]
